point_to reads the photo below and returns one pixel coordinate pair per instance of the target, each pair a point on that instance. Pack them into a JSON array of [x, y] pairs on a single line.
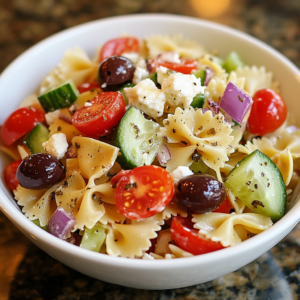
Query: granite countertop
[[26, 272]]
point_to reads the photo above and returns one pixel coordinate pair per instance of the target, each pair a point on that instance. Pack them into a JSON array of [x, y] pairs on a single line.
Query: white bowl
[[23, 76]]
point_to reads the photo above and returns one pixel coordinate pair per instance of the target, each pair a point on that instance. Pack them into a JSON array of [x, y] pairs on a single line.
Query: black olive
[[115, 70], [40, 171], [198, 194]]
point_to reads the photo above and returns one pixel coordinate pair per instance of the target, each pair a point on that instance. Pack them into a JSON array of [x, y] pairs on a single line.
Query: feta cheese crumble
[[57, 145], [171, 57], [180, 173], [180, 89], [147, 97]]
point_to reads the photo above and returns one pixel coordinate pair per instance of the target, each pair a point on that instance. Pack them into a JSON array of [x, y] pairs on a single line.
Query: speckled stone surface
[[28, 273]]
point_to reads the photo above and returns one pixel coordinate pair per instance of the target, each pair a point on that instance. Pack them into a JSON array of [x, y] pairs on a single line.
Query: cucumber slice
[[232, 61], [153, 77], [257, 182], [37, 136], [60, 96], [137, 139]]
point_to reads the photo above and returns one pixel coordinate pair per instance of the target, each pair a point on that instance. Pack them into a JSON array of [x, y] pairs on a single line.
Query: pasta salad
[[155, 149]]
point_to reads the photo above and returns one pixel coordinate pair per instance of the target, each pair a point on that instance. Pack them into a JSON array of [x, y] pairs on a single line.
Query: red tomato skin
[[105, 112], [186, 66], [268, 112], [87, 86], [10, 174], [119, 46], [188, 238], [225, 207], [118, 176], [20, 122], [152, 188]]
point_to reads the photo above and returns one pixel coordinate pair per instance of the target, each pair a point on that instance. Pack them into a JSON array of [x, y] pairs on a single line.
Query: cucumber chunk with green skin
[[37, 223], [232, 61], [198, 101], [93, 239], [60, 96], [199, 167], [258, 183], [138, 139], [128, 85], [37, 136]]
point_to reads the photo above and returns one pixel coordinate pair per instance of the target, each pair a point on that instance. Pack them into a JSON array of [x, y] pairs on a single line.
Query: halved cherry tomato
[[143, 192], [119, 46], [186, 66], [87, 86], [105, 111], [10, 174], [20, 122], [225, 207], [118, 176], [188, 238], [268, 112]]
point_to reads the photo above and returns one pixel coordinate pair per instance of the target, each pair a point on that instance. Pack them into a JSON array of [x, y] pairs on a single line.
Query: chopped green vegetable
[[201, 74], [232, 61], [198, 101], [37, 223], [93, 239], [37, 136], [153, 77], [137, 139], [199, 167], [60, 96], [258, 183]]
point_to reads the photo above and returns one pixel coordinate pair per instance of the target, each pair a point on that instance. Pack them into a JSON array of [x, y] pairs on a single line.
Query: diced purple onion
[[228, 119], [61, 223], [291, 129], [204, 110], [208, 76], [65, 118], [213, 106], [235, 102], [74, 239], [127, 107], [163, 155]]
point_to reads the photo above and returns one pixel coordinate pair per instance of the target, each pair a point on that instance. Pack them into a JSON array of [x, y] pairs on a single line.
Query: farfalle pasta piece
[[221, 228], [172, 209], [201, 132], [234, 158], [256, 78], [237, 204], [112, 215], [95, 158], [281, 149], [75, 65], [130, 240], [60, 126], [178, 252], [37, 204], [85, 203], [158, 44], [219, 72]]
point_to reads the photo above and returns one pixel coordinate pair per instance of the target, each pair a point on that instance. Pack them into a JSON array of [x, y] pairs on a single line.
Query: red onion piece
[[213, 106], [235, 102], [163, 155], [209, 73], [74, 239], [204, 110], [65, 118], [61, 223], [228, 119], [127, 107]]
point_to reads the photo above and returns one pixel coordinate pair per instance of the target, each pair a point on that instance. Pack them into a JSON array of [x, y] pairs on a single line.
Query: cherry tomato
[[225, 207], [268, 112], [87, 86], [118, 176], [119, 46], [143, 192], [105, 111], [20, 122], [10, 174], [186, 66], [188, 238]]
